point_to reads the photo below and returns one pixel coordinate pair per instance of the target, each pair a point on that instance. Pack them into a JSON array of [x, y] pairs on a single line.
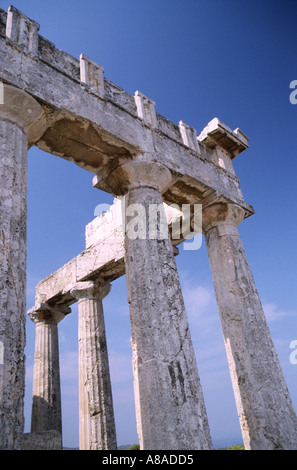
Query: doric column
[[46, 408], [18, 112], [96, 416], [267, 418], [170, 407]]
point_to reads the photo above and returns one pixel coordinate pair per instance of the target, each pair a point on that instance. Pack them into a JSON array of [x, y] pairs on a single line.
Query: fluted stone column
[[96, 416], [267, 418], [18, 114], [170, 407], [46, 408]]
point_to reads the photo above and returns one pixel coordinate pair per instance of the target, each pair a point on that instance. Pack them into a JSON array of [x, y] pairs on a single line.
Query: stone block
[[146, 109], [216, 133], [92, 74], [48, 440], [22, 30], [189, 136]]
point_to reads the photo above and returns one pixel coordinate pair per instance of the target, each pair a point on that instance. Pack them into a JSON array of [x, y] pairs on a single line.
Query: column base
[[47, 440]]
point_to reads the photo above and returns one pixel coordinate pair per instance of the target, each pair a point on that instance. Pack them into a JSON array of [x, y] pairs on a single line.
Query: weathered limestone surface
[[96, 416], [46, 408], [96, 124], [169, 401], [17, 113], [66, 107], [21, 30], [267, 417], [92, 74]]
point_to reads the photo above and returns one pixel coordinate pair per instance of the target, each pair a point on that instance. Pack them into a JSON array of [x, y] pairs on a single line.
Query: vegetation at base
[[134, 447], [237, 447]]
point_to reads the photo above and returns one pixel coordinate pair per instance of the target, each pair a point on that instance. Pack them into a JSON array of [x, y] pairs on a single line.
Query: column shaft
[[46, 409], [170, 406], [18, 113], [13, 217], [96, 416], [84, 413], [267, 418]]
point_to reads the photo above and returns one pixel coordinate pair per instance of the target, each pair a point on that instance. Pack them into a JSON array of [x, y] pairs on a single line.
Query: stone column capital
[[227, 216], [91, 290], [48, 315], [22, 109], [134, 174]]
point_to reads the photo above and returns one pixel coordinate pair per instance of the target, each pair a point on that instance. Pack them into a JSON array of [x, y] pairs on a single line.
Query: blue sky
[[197, 59]]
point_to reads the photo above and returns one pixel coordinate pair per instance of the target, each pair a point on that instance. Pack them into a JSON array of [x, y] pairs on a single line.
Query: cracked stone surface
[[267, 417], [86, 119], [46, 407], [96, 415], [14, 122], [170, 406]]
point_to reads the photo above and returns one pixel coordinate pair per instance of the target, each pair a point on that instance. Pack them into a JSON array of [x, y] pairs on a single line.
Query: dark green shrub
[[134, 447]]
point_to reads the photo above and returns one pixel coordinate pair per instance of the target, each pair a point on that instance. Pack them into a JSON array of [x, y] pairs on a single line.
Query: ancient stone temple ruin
[[68, 108]]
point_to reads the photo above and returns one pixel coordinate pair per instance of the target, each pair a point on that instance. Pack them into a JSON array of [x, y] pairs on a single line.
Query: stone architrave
[[267, 417], [18, 111], [46, 408], [96, 416], [170, 407]]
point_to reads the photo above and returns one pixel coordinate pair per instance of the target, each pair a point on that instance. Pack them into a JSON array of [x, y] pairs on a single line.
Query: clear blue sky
[[197, 59]]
